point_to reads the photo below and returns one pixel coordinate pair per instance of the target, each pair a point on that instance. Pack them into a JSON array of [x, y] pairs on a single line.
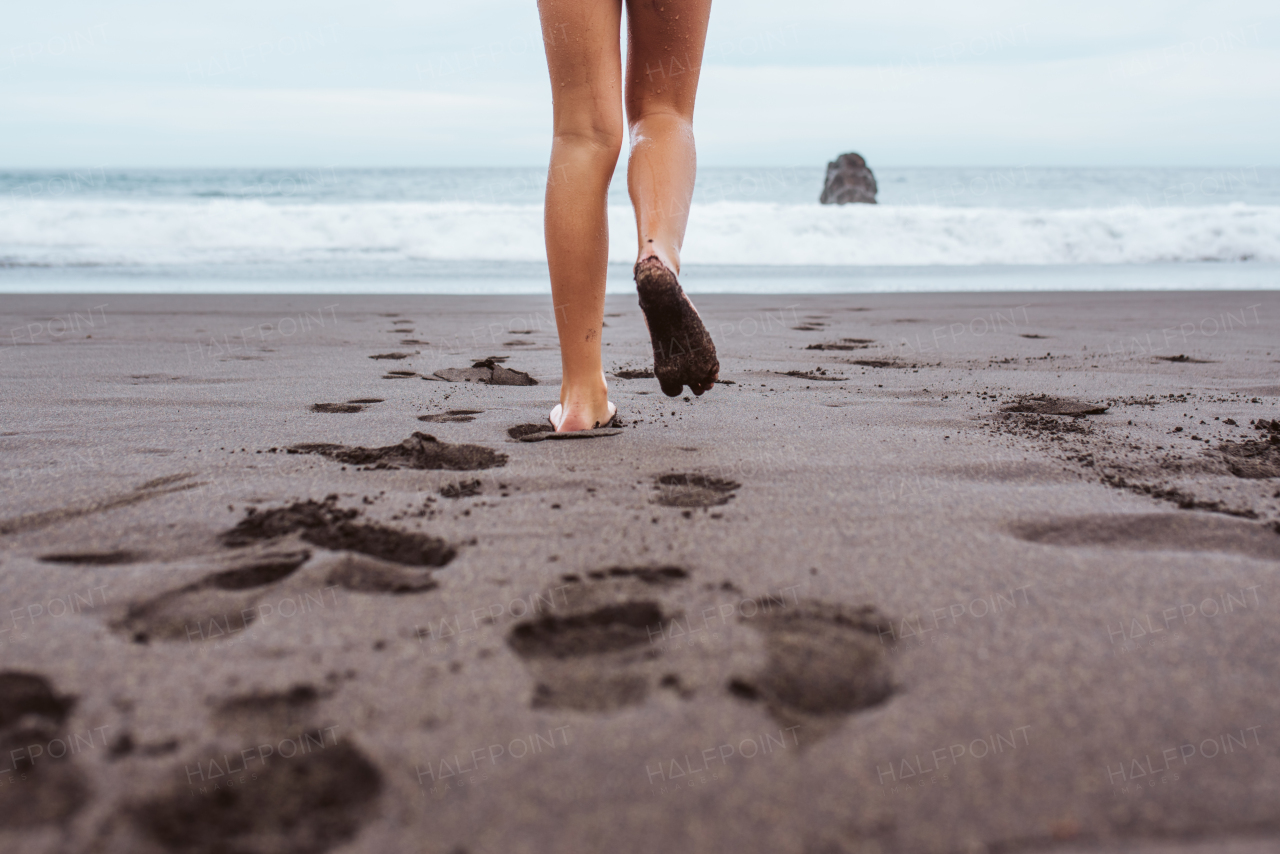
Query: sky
[[428, 83]]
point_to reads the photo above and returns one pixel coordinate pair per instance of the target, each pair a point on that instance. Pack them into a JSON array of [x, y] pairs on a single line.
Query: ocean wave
[[238, 231]]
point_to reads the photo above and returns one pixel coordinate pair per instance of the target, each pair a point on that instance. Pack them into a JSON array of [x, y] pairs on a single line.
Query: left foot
[[683, 353]]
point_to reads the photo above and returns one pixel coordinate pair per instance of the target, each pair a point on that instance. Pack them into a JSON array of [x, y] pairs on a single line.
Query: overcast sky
[[463, 83]]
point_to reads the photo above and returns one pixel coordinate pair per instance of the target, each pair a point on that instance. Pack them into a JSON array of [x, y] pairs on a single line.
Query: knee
[[660, 121], [649, 109], [598, 138]]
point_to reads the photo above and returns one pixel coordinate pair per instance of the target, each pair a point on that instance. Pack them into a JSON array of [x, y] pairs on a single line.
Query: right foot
[[683, 353]]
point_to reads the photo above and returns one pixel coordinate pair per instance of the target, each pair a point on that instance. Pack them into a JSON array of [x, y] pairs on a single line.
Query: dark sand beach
[[923, 573]]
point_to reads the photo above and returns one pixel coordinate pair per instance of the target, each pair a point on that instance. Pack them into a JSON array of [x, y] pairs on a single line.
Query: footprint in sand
[[486, 371], [419, 451], [214, 607], [596, 652], [360, 557], [124, 746], [844, 344], [820, 375], [1156, 532], [1185, 360], [336, 407], [452, 416], [145, 492], [307, 802], [357, 405], [606, 647], [257, 716], [391, 356], [302, 804], [111, 558], [694, 490], [33, 718], [824, 662], [370, 558], [1044, 404], [521, 430], [1255, 459], [289, 711]]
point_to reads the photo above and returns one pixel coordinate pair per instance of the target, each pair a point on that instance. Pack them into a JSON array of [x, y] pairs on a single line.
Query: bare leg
[[664, 57], [581, 40]]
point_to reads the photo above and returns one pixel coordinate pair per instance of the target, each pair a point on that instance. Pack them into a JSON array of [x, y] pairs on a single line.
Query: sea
[[751, 230]]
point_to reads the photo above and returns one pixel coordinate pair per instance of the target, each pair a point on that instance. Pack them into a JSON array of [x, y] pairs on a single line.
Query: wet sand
[[924, 573]]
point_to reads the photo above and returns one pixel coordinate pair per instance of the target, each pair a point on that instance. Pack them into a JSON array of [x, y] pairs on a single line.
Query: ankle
[[590, 390], [668, 255], [583, 405]]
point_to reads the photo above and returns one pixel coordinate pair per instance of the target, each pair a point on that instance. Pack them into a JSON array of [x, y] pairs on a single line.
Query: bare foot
[[581, 417], [683, 352]]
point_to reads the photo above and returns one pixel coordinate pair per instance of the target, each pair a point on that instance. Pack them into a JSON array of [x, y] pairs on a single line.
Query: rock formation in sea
[[848, 180]]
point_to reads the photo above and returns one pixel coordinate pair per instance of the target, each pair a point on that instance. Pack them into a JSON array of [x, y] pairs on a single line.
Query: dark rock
[[848, 180]]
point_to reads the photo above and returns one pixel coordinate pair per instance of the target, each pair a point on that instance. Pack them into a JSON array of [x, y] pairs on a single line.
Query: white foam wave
[[230, 231]]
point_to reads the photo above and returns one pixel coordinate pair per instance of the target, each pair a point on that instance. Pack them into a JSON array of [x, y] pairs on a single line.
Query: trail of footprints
[[595, 653], [603, 645], [272, 546], [608, 642]]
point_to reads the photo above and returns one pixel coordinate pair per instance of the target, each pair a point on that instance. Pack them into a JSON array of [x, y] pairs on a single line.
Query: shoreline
[[481, 279]]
